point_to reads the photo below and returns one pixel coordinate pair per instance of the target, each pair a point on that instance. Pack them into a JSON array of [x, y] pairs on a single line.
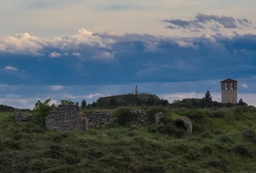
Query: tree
[[164, 102], [208, 97], [94, 104], [112, 101], [83, 104], [241, 102], [41, 110]]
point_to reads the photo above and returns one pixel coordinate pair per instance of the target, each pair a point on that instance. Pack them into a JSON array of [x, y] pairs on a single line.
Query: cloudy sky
[[84, 49]]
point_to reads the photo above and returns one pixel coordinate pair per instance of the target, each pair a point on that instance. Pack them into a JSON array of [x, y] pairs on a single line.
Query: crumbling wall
[[141, 117], [22, 117], [66, 118], [100, 119]]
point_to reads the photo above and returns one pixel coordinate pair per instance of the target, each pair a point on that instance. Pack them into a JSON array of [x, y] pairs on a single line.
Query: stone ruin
[[70, 118], [185, 124], [140, 116], [66, 118], [100, 119], [22, 116]]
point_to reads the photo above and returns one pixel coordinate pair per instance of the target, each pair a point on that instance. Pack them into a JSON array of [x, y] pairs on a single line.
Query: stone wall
[[100, 119], [66, 118], [22, 117], [140, 117], [70, 118]]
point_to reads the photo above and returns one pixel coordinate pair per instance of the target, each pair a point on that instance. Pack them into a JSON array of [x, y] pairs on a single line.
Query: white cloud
[[186, 44], [90, 96], [75, 45], [20, 43], [56, 87], [55, 55], [244, 85], [77, 54], [10, 68], [104, 55]]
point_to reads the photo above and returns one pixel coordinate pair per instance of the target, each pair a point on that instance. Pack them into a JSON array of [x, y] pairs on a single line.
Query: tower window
[[232, 86], [226, 86]]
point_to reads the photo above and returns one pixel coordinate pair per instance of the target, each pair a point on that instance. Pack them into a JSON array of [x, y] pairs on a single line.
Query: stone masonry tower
[[136, 90], [229, 91]]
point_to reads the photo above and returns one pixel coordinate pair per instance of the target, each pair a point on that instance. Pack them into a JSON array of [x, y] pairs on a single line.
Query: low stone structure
[[22, 117], [158, 116], [100, 119], [66, 118], [70, 118], [185, 124], [140, 116]]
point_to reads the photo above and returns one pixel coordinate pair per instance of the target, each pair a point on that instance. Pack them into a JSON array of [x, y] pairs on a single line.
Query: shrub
[[241, 150], [123, 115], [41, 110], [152, 112]]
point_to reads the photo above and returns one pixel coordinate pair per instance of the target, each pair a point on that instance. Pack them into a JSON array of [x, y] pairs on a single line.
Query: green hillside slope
[[223, 140]]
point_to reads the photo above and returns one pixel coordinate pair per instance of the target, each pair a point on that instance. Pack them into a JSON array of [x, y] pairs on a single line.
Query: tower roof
[[228, 80]]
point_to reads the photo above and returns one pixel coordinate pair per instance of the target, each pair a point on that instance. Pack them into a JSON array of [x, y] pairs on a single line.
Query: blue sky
[[88, 49]]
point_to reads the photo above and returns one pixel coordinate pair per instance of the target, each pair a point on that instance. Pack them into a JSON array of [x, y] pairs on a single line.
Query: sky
[[84, 49]]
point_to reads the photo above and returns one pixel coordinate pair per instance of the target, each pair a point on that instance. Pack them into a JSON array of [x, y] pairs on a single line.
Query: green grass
[[223, 141]]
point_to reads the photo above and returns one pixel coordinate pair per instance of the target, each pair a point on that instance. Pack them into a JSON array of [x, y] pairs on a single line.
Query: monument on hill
[[229, 91], [136, 90]]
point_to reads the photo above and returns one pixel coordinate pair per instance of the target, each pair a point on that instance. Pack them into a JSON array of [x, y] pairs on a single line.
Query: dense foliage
[[41, 110]]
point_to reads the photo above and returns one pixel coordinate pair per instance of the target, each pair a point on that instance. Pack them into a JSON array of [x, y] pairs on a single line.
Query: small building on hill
[[229, 91]]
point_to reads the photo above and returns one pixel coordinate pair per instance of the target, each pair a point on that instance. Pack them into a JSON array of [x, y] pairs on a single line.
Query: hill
[[5, 108], [223, 140], [129, 100]]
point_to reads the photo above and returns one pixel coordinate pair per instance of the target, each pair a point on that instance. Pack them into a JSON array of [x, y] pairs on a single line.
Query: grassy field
[[223, 140]]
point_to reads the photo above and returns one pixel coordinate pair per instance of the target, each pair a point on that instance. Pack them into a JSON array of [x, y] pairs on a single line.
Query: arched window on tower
[[226, 86], [232, 86]]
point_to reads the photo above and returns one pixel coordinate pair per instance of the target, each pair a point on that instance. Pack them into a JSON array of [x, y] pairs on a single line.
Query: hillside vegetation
[[129, 100], [223, 140]]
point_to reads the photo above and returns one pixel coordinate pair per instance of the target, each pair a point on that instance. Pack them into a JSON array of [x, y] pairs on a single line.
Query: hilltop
[[145, 99]]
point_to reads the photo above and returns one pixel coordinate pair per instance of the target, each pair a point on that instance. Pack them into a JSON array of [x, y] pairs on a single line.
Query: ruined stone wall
[[100, 119], [66, 118], [139, 117], [22, 117]]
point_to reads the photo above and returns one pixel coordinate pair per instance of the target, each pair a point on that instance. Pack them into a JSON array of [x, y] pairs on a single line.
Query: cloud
[[87, 58], [212, 22], [56, 87], [227, 22], [104, 55], [91, 96], [244, 85], [55, 55], [10, 68], [20, 43], [81, 43]]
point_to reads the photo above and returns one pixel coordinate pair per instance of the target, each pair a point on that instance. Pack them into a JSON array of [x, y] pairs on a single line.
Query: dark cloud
[[201, 21], [227, 22], [88, 58]]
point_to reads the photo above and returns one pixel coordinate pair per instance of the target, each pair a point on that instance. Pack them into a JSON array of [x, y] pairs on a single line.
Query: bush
[[241, 150], [41, 110], [152, 112], [123, 115]]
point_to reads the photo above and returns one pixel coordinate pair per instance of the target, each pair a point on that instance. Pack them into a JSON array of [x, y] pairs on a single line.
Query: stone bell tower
[[229, 91]]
